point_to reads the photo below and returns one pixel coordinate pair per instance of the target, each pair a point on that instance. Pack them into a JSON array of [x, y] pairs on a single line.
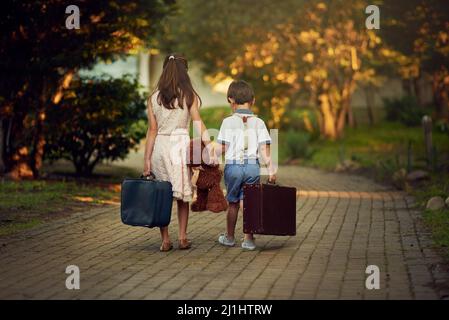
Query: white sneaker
[[248, 245], [224, 240]]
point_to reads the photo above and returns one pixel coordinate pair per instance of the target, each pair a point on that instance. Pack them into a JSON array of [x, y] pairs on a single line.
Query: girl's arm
[[151, 137], [200, 128], [198, 124]]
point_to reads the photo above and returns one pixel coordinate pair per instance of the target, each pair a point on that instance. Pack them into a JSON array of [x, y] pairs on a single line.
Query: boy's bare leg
[[247, 236], [231, 218]]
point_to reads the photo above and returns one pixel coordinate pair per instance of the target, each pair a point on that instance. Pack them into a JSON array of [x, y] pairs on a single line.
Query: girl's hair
[[174, 83]]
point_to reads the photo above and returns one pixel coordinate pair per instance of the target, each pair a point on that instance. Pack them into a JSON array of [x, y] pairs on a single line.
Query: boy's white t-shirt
[[232, 133]]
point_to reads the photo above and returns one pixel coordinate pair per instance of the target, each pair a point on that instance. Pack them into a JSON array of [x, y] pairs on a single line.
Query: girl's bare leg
[[183, 218], [164, 234]]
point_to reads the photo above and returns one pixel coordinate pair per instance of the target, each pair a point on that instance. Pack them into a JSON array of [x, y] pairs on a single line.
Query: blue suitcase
[[146, 202]]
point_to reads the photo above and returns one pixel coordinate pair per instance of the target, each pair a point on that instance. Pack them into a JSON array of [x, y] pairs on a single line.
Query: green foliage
[[296, 144], [38, 55], [302, 119], [417, 29], [442, 125], [37, 41], [26, 204], [213, 116], [98, 119], [405, 110], [384, 145], [9, 227], [438, 221], [285, 56]]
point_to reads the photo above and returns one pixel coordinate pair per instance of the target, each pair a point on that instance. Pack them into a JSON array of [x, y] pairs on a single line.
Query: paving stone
[[344, 224]]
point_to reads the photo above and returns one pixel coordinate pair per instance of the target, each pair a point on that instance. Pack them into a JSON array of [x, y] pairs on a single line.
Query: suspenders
[[245, 136]]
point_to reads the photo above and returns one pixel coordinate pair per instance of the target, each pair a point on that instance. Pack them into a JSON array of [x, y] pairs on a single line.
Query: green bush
[[442, 125], [296, 144], [405, 110], [301, 119], [213, 116], [97, 119]]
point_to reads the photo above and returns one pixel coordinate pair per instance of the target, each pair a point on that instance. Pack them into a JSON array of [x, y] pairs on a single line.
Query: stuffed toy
[[209, 193]]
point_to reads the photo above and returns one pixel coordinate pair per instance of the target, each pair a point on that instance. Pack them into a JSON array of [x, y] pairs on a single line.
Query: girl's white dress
[[168, 160]]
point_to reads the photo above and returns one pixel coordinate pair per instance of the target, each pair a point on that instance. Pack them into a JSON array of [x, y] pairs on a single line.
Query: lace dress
[[168, 160]]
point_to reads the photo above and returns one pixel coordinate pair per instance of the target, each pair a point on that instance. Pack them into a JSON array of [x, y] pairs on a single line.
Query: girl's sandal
[[184, 244], [166, 246]]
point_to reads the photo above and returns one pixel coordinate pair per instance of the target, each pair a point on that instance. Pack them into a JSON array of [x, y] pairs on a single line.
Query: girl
[[170, 109]]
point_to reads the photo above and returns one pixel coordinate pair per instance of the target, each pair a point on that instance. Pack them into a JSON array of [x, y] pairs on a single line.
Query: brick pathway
[[344, 223]]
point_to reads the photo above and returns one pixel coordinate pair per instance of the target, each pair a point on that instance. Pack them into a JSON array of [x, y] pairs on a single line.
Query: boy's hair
[[241, 92]]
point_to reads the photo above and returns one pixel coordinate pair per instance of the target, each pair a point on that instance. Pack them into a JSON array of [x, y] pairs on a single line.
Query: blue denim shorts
[[236, 175]]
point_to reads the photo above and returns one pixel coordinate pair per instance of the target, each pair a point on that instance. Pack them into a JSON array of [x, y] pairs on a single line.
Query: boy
[[244, 137]]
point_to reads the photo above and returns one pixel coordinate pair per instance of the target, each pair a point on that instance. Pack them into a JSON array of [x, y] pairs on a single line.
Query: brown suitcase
[[269, 209]]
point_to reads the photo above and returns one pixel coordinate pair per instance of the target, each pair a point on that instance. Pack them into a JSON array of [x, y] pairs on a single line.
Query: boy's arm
[[265, 152], [221, 149], [264, 140]]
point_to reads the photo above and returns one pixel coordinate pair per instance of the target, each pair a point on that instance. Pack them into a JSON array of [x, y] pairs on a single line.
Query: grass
[[104, 173], [44, 196], [438, 222], [10, 228], [370, 145], [381, 150], [26, 204]]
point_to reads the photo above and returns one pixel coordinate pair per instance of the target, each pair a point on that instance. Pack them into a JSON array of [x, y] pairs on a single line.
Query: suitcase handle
[[150, 176]]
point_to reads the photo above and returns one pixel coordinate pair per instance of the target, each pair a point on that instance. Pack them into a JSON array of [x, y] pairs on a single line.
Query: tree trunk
[[2, 148], [15, 153], [369, 96], [418, 91], [440, 94], [83, 166], [328, 128], [20, 168], [39, 138], [407, 87], [341, 119], [91, 166], [351, 119], [38, 145]]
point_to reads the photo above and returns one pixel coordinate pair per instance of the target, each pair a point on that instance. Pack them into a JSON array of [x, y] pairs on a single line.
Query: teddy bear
[[209, 193]]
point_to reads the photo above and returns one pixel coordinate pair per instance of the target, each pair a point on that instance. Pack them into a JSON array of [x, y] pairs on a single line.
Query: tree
[[97, 119], [419, 30], [39, 57], [318, 50]]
